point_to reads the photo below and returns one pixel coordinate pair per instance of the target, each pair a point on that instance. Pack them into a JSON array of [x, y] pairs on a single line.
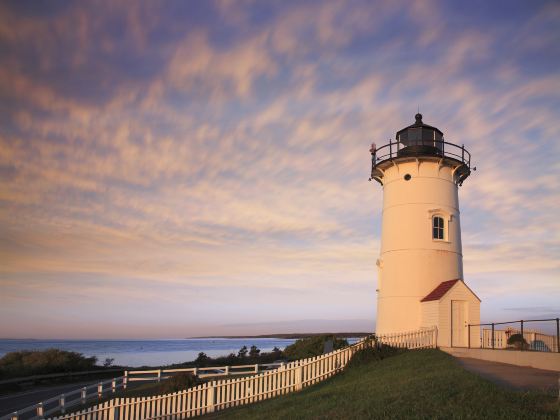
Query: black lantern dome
[[417, 141], [420, 139]]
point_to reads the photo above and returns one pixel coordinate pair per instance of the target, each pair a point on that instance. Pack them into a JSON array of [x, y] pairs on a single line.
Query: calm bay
[[136, 353]]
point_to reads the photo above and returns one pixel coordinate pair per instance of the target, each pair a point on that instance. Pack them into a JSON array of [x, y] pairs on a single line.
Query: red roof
[[440, 291]]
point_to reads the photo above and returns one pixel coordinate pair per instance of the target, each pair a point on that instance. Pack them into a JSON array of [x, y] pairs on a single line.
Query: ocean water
[[136, 353]]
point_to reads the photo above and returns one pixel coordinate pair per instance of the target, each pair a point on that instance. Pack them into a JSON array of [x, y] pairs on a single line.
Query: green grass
[[425, 384]]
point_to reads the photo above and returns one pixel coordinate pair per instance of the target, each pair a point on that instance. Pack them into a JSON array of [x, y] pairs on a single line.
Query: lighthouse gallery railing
[[444, 149]]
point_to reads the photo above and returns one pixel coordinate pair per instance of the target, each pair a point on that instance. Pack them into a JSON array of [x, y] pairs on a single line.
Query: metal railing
[[529, 339], [61, 403], [441, 148]]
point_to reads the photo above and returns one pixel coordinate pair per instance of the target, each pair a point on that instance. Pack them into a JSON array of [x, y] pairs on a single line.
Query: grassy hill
[[417, 384]]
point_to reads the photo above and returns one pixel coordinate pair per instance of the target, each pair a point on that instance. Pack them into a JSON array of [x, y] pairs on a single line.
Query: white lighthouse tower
[[420, 267]]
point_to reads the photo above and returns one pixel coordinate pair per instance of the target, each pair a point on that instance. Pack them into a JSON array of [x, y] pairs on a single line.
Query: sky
[[182, 168]]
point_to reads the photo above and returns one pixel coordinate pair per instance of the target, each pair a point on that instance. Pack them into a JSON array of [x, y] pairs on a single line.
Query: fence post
[[210, 396], [257, 368], [15, 416], [84, 395], [522, 336], [558, 340], [390, 149], [159, 375], [195, 372], [62, 403], [492, 335], [114, 385], [100, 390], [125, 379], [470, 335], [40, 410], [227, 370]]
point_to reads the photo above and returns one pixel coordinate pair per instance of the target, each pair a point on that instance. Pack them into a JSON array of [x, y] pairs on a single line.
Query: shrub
[[108, 362], [202, 360], [242, 352], [26, 363], [178, 382], [312, 346], [254, 352], [517, 341], [370, 354]]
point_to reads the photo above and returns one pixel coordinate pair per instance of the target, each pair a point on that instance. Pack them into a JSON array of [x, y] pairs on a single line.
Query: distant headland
[[291, 335]]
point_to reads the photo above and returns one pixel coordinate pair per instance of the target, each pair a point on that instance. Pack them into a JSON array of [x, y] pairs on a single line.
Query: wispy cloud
[[196, 149]]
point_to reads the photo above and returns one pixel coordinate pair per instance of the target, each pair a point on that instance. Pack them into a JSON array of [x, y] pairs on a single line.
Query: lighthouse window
[[438, 227]]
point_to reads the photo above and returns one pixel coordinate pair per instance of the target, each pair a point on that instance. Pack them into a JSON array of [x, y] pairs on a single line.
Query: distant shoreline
[[288, 335], [206, 337]]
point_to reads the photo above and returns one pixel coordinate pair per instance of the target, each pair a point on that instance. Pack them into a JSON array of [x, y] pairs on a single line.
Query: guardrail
[[63, 402], [528, 340], [221, 394]]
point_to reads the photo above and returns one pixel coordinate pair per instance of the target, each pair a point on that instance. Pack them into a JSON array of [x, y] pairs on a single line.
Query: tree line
[[28, 363]]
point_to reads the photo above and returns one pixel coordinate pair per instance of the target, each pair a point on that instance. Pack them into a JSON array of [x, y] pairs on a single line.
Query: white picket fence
[[421, 339], [221, 394], [81, 396]]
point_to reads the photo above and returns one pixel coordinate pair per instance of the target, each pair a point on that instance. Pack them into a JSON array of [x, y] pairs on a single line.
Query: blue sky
[[170, 169]]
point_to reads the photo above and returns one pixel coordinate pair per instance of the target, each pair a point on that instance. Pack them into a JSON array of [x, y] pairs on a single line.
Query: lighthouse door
[[458, 323]]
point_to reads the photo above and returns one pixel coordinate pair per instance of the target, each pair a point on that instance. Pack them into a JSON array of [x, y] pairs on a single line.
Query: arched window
[[438, 228]]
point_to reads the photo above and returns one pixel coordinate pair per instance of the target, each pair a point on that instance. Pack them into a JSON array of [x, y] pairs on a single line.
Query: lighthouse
[[420, 265]]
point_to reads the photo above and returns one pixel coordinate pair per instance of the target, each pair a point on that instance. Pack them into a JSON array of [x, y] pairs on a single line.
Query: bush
[[27, 363], [370, 354], [242, 352], [178, 382], [517, 341], [243, 357], [313, 346], [254, 352], [202, 360]]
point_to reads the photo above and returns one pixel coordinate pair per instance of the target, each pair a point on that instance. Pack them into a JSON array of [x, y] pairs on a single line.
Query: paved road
[[16, 401], [10, 403], [517, 377]]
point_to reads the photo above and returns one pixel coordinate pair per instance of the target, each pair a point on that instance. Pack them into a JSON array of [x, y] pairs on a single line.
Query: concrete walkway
[[517, 377]]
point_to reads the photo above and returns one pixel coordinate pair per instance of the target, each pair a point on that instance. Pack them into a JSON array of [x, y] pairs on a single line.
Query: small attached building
[[451, 307]]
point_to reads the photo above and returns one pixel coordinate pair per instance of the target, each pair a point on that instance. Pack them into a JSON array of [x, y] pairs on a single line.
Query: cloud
[[190, 150]]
